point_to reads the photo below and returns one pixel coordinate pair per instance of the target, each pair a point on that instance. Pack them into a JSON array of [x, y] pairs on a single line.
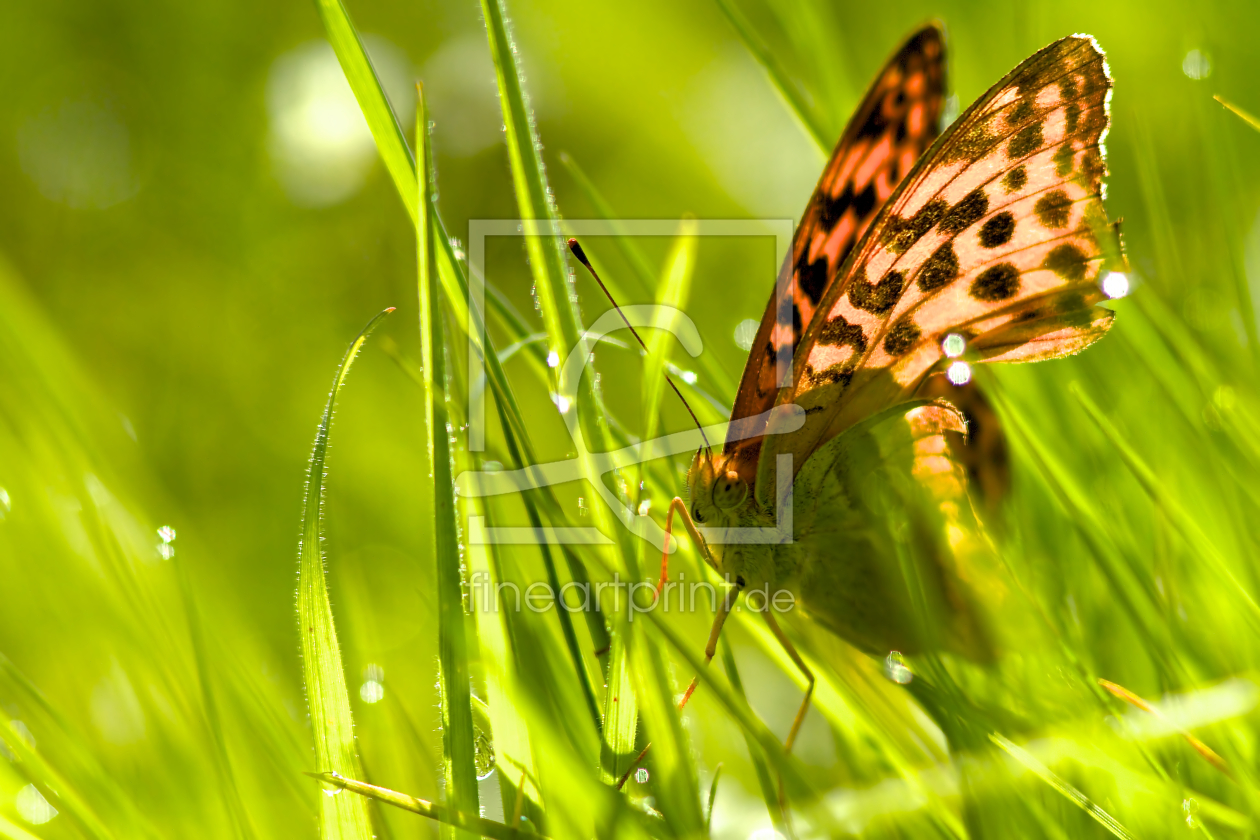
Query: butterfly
[[991, 233]]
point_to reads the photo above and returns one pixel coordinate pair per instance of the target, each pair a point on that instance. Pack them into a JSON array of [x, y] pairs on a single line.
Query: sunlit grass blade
[[641, 268], [341, 817], [17, 688], [1128, 582], [210, 708], [713, 789], [13, 831], [55, 788], [1061, 785], [1182, 521], [454, 647], [765, 782], [370, 94], [674, 291], [1201, 748], [546, 251], [1243, 115], [779, 77], [446, 816], [621, 716]]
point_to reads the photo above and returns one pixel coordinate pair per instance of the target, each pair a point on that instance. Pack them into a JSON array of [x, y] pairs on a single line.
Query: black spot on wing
[[1063, 159], [837, 331], [811, 278], [864, 201], [840, 373], [1053, 209], [999, 282], [969, 210], [1068, 261], [998, 230], [1026, 141], [1014, 180], [877, 298], [901, 337], [1073, 114], [941, 269], [1021, 112], [900, 234], [875, 124], [833, 207]]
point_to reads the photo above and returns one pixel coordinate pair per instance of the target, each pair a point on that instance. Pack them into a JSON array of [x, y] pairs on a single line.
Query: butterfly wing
[[898, 460], [894, 125], [998, 234]]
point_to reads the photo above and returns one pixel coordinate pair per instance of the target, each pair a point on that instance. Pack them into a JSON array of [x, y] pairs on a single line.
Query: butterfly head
[[716, 489]]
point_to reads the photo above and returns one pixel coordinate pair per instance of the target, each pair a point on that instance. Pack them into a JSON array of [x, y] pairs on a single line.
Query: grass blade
[[51, 784], [621, 716], [453, 644], [1243, 115], [447, 816], [679, 268], [1062, 786], [769, 791], [325, 679], [1182, 521], [371, 97], [778, 76]]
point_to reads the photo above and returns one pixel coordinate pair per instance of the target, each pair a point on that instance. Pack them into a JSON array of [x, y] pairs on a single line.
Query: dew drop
[[953, 345], [959, 373], [1190, 807], [895, 668], [1196, 65], [641, 775], [1115, 285], [32, 806], [746, 334], [483, 754]]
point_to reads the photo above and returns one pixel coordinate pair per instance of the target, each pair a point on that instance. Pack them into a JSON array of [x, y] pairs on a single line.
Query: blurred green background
[[194, 224]]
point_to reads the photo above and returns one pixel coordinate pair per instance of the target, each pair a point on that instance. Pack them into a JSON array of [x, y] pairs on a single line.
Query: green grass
[[146, 696]]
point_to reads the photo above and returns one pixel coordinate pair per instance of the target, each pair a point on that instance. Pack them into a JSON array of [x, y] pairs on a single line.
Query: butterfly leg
[[679, 505], [719, 620], [809, 692], [809, 678], [724, 609]]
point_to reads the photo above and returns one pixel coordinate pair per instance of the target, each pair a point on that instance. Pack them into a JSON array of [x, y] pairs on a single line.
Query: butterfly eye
[[730, 491]]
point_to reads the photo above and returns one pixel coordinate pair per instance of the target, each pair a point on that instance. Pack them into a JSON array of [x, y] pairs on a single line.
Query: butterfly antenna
[[576, 248]]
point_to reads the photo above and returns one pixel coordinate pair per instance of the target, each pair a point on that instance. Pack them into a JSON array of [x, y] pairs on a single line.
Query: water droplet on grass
[[32, 806], [1196, 65], [746, 333], [953, 345], [1115, 285], [959, 373], [895, 668]]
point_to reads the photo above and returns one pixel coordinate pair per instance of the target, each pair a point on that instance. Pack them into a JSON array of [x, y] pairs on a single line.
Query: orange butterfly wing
[[890, 130], [999, 234]]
